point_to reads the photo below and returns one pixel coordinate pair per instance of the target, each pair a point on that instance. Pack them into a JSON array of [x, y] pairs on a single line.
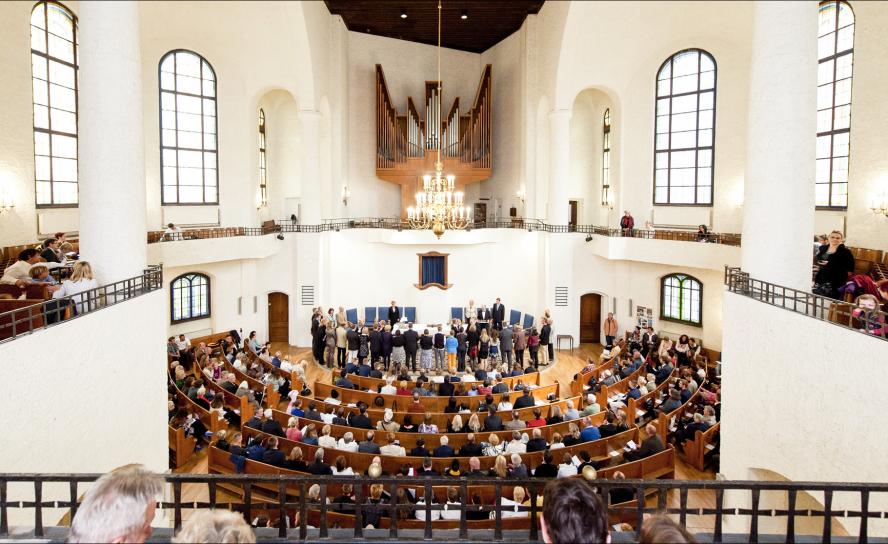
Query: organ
[[407, 144]]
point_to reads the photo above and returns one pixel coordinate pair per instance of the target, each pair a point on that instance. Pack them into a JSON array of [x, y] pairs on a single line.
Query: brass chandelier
[[438, 206]]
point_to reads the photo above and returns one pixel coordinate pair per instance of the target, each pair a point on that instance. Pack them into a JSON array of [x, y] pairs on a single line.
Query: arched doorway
[[278, 317], [590, 318]]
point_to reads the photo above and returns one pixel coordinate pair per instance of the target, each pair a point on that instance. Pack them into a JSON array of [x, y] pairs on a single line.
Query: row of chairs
[[375, 313]]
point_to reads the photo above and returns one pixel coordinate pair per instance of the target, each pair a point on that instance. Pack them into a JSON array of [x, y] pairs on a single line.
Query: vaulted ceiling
[[487, 21]]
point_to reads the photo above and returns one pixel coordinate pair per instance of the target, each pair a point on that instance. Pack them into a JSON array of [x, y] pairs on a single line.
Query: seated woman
[[869, 319], [77, 285], [340, 467], [294, 460]]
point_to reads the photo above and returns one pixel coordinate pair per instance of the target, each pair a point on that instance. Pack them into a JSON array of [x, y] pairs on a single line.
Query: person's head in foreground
[[119, 507], [215, 526], [662, 529], [573, 513]]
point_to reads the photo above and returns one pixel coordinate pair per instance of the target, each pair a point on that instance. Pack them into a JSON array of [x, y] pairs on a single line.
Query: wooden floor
[[562, 371]]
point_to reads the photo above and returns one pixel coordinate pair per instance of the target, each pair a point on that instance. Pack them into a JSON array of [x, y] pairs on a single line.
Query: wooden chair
[[695, 450], [181, 446]]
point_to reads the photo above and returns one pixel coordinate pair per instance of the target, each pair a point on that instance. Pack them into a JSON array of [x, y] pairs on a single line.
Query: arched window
[[263, 162], [835, 51], [189, 297], [54, 78], [605, 159], [681, 299], [188, 129], [685, 129]]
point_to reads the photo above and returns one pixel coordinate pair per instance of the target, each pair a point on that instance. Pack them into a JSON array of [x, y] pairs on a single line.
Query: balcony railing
[[844, 314], [284, 500], [43, 314], [395, 223]]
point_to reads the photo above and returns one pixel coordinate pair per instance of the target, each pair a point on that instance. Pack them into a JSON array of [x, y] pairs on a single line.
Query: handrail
[[281, 497], [844, 314], [396, 223], [22, 321]]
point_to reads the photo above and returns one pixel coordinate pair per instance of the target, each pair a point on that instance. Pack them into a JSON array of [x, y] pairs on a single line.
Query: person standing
[[499, 315], [462, 347], [329, 341], [375, 344], [520, 345], [341, 343], [610, 329], [836, 264], [533, 344], [627, 224], [506, 346], [439, 343], [470, 312], [394, 314], [545, 342], [427, 355], [483, 317], [451, 344], [386, 336], [411, 344]]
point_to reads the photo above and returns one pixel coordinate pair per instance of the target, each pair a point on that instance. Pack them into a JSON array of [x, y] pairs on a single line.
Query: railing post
[[38, 508], [827, 515], [754, 522]]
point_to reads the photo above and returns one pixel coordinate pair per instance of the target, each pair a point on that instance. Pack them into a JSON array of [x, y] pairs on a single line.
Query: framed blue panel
[[528, 321], [383, 312], [352, 315], [369, 314], [456, 313], [514, 317], [410, 313]]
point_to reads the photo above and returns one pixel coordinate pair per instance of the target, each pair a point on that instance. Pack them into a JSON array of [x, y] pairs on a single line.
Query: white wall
[[799, 389], [96, 400]]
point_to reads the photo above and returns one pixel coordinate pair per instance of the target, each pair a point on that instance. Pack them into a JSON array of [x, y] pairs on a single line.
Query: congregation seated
[[651, 445]]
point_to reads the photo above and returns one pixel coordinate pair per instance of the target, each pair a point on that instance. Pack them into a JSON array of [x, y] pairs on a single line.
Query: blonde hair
[[82, 271], [292, 422], [500, 467], [457, 423], [215, 526], [37, 270], [493, 439], [376, 491]]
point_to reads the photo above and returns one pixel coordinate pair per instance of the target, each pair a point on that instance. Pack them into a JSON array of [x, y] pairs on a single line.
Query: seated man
[[651, 445], [524, 401], [444, 450], [51, 252]]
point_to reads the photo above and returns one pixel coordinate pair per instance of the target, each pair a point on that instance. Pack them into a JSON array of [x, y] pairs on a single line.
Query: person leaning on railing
[[836, 264], [81, 280]]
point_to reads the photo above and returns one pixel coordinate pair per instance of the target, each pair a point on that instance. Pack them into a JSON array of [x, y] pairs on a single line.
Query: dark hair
[[573, 512], [547, 456], [49, 241], [27, 254], [663, 529]]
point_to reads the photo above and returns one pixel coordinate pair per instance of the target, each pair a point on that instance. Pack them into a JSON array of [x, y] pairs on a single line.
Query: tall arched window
[[189, 297], [263, 162], [835, 50], [605, 159], [681, 299], [54, 79], [685, 129], [188, 129]]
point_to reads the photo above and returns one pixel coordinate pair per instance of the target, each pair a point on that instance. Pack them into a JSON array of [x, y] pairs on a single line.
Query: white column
[[778, 208], [559, 166], [112, 167], [311, 191]]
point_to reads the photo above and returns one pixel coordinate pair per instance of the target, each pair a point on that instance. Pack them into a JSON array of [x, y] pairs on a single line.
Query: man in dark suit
[[493, 422], [375, 346], [420, 449], [537, 443], [340, 418], [498, 315], [474, 469], [446, 388], [368, 445], [361, 420], [272, 455], [470, 448], [484, 317], [524, 401], [319, 467], [500, 386], [363, 369], [426, 468], [312, 412], [411, 344], [547, 469], [652, 444], [394, 314], [344, 381], [444, 450], [271, 426]]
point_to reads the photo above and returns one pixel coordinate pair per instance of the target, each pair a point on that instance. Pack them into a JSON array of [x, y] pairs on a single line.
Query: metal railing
[[284, 501], [25, 320], [396, 223], [845, 314]]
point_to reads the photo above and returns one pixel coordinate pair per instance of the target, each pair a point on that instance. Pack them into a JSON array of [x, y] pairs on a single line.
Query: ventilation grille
[[561, 296], [308, 295]]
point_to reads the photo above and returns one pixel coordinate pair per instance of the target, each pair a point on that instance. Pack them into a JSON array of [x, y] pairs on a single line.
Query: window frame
[[48, 131], [681, 287], [832, 132], [443, 286], [192, 276], [263, 160], [606, 194], [697, 148], [160, 128]]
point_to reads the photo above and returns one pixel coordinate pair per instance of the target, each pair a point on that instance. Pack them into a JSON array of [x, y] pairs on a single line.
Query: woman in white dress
[[81, 280]]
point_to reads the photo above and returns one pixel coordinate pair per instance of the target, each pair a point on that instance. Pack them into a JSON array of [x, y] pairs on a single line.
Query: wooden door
[[590, 318], [480, 212], [278, 317], [572, 223]]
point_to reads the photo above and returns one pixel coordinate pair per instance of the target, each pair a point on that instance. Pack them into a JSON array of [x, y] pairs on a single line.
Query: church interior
[[399, 269]]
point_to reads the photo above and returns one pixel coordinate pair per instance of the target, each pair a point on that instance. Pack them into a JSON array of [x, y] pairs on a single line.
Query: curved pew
[[373, 384], [182, 446], [695, 450]]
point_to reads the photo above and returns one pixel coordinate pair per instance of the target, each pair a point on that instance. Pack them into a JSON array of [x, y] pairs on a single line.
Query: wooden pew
[[373, 384], [210, 420], [24, 319], [695, 450], [633, 407], [432, 404], [663, 421], [182, 446]]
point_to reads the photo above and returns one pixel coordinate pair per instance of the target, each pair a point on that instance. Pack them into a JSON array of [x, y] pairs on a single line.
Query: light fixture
[[879, 205], [522, 195], [403, 14], [439, 206], [607, 197], [6, 202], [465, 15], [346, 194]]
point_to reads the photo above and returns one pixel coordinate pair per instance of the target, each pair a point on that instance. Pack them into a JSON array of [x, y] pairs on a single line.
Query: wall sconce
[[522, 195], [6, 203], [879, 206], [346, 194], [607, 197]]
